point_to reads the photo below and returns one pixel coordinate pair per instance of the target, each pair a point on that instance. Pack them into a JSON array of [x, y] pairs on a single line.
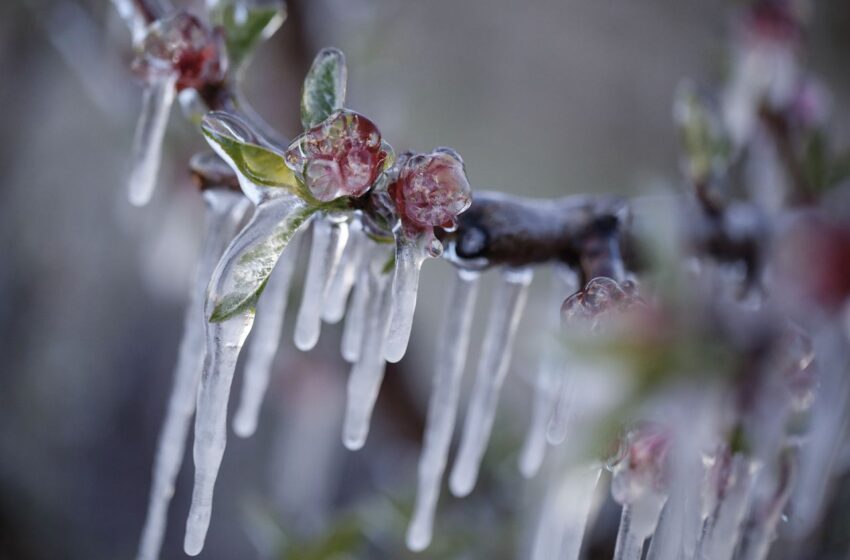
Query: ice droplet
[[223, 214], [442, 406], [147, 142], [563, 519], [364, 382], [564, 283], [410, 254], [329, 239], [263, 344], [508, 303], [224, 341], [342, 281]]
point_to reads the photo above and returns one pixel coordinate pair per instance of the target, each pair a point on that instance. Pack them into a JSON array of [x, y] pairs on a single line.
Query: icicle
[[271, 219], [224, 212], [147, 143], [262, 346], [133, 17], [564, 283], [638, 483], [325, 251], [637, 523], [556, 431], [508, 302], [355, 319], [364, 382], [563, 519], [442, 406], [410, 254], [676, 535], [629, 546], [723, 526], [827, 427], [763, 523], [343, 279]]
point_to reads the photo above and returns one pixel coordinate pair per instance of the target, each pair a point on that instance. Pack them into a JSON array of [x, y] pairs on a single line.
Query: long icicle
[[224, 211], [364, 382], [508, 303], [637, 523], [147, 142], [343, 279], [629, 546], [410, 254], [325, 251], [766, 515], [723, 528], [564, 283], [263, 344], [224, 341], [355, 319], [442, 406], [562, 523]]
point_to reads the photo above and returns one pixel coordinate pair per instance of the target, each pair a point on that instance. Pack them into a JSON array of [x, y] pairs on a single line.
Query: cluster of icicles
[[704, 500], [346, 277]]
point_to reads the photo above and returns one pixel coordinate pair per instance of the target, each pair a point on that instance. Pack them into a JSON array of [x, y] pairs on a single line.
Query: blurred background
[[542, 98]]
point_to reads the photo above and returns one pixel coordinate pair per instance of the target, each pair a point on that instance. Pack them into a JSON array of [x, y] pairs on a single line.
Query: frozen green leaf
[[253, 267], [232, 140], [245, 26], [324, 87]]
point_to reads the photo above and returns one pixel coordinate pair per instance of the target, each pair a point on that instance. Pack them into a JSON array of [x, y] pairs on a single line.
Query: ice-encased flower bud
[[643, 465], [600, 299], [432, 189], [181, 45], [342, 156]]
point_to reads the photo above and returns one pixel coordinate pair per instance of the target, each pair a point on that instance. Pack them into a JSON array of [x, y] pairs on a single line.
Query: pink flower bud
[[432, 190], [342, 156], [181, 44]]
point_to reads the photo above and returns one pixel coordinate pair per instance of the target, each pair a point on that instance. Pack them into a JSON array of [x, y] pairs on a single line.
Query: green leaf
[[260, 165], [245, 27], [324, 87], [255, 266]]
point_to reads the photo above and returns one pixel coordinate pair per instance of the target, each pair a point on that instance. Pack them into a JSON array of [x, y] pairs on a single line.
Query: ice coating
[[548, 383], [263, 344], [364, 382], [176, 53], [560, 529], [344, 274], [601, 300], [341, 156], [508, 303], [224, 211], [451, 353], [182, 45], [431, 189], [410, 254], [275, 218], [325, 251], [147, 142]]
